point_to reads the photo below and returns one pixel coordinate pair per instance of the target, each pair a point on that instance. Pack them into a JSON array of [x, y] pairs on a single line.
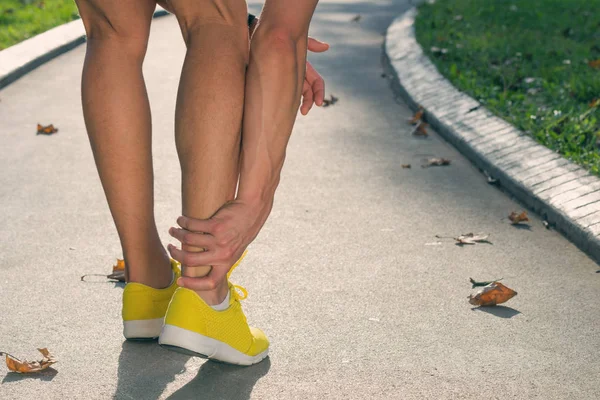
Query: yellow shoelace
[[240, 292]]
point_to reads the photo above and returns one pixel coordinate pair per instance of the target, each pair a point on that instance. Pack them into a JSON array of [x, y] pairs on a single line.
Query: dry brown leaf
[[118, 271], [25, 367], [471, 238], [595, 103], [421, 129], [406, 166], [330, 102], [491, 295], [434, 162], [516, 218], [594, 64], [417, 117], [46, 130]]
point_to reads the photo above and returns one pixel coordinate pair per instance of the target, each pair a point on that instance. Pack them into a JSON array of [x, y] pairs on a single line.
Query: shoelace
[[240, 292]]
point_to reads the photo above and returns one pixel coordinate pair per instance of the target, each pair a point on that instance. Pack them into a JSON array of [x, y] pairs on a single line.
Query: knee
[[126, 41], [278, 42], [193, 18]]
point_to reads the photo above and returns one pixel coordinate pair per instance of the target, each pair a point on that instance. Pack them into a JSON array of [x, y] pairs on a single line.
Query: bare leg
[[274, 84], [209, 110], [117, 117]]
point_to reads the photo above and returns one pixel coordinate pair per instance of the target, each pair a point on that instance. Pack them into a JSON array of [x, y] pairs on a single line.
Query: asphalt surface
[[358, 296]]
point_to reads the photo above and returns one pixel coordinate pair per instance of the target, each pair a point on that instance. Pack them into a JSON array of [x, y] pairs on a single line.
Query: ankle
[[156, 273], [215, 296]]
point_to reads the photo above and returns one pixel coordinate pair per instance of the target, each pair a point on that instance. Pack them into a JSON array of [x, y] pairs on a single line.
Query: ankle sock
[[224, 305]]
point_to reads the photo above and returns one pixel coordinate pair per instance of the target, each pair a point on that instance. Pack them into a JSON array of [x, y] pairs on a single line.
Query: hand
[[314, 85], [224, 237]]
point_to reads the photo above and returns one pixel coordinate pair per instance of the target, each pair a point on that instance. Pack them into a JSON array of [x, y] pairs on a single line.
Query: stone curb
[[23, 57], [563, 193]]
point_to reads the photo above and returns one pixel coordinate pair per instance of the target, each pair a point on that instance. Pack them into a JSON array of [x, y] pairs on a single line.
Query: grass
[[22, 19], [528, 61]]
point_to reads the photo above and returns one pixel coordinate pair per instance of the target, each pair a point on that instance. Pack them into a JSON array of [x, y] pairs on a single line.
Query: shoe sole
[[142, 329], [191, 343]]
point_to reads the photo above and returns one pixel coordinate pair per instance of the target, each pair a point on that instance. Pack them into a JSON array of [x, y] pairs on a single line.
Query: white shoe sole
[[143, 328], [188, 342]]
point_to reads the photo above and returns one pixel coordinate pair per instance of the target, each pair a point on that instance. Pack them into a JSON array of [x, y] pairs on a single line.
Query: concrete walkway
[[358, 297]]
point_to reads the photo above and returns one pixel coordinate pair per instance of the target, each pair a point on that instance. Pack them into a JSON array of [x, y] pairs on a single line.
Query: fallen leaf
[[490, 179], [356, 18], [406, 166], [420, 129], [25, 367], [418, 116], [330, 102], [546, 224], [118, 271], [477, 284], [594, 64], [491, 295], [471, 238], [516, 218], [46, 130], [434, 162]]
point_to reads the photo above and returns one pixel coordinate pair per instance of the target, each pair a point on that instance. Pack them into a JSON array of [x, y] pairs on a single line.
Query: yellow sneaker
[[144, 307], [193, 327]]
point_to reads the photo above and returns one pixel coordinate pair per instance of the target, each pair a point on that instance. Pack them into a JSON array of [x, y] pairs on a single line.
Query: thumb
[[316, 46]]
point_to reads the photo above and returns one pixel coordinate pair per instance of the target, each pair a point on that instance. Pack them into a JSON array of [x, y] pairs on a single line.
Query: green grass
[[527, 61], [22, 19]]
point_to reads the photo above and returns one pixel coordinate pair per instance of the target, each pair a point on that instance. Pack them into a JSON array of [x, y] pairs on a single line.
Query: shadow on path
[[223, 381], [498, 311], [145, 370]]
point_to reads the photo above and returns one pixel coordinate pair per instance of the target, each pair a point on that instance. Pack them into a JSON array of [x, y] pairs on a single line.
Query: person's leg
[[117, 117], [275, 75], [209, 110]]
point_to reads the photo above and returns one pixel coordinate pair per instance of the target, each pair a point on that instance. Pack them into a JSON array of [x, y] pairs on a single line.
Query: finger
[[196, 225], [316, 46], [193, 238], [307, 98], [193, 258], [317, 84]]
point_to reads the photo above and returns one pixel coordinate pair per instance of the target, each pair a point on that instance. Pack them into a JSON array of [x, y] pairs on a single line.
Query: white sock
[[224, 305]]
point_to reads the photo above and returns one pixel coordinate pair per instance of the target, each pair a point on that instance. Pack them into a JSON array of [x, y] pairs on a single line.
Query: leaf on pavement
[[417, 117], [420, 129], [118, 271], [25, 367], [491, 295], [356, 18], [594, 64], [478, 284], [330, 102], [434, 162], [46, 130], [471, 238], [406, 166], [516, 218]]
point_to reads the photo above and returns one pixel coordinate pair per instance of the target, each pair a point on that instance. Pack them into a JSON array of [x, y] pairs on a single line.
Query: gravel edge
[[563, 193], [23, 57]]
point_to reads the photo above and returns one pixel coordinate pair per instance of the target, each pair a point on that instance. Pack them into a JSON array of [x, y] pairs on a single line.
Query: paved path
[[344, 279]]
